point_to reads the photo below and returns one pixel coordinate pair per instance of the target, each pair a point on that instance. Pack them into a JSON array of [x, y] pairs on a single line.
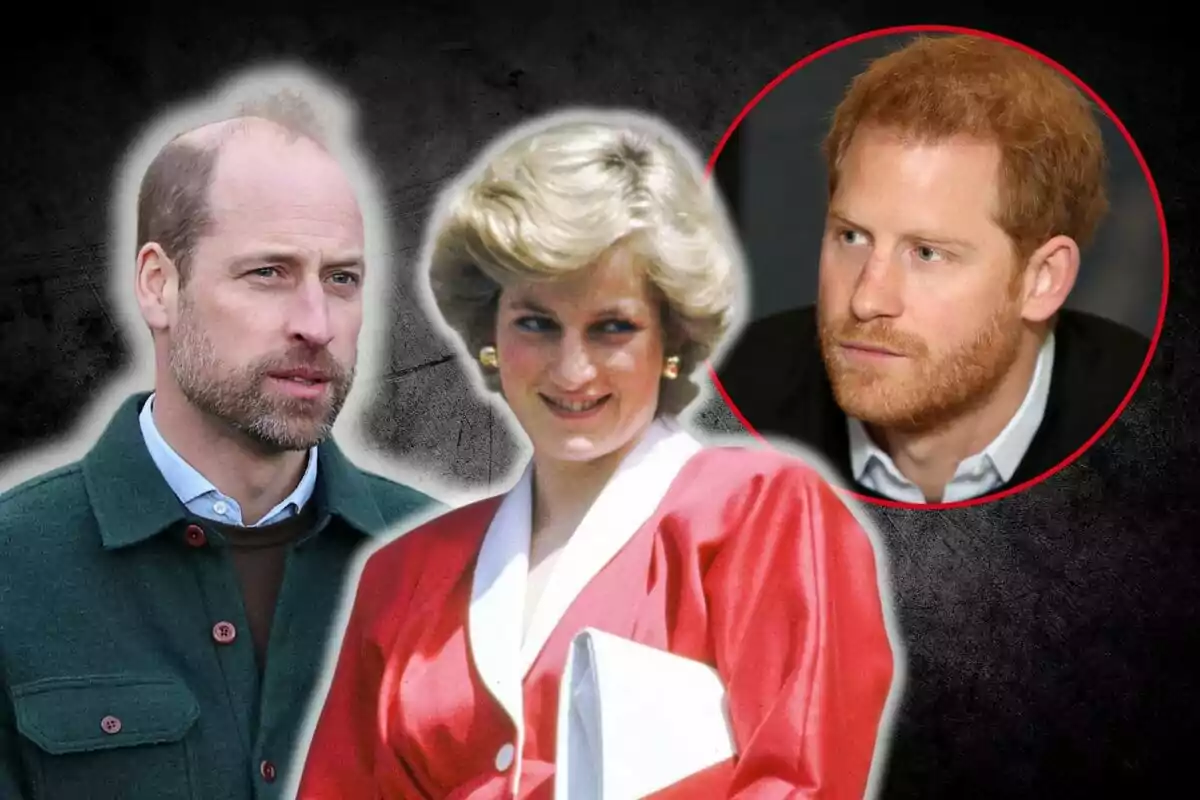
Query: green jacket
[[107, 614]]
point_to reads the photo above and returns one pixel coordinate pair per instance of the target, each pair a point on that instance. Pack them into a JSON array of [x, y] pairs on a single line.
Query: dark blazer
[[107, 612], [776, 379]]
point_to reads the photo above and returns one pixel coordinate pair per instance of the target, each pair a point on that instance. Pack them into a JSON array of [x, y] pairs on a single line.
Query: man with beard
[[939, 364], [166, 600]]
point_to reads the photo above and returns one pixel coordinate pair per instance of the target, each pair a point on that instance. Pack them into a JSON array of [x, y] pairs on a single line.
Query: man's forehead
[[289, 201], [930, 177], [257, 202], [258, 157], [922, 158], [914, 137], [274, 214], [291, 249]]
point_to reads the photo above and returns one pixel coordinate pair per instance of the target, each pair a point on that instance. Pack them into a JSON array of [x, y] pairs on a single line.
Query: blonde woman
[[589, 268]]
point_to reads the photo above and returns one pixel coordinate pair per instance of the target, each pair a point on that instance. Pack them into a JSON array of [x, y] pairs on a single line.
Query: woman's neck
[[563, 491]]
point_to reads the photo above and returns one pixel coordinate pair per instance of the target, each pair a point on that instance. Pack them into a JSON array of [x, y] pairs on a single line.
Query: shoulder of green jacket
[[398, 501], [57, 492]]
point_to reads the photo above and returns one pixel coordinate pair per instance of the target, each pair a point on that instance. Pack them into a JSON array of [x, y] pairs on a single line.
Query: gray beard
[[236, 396]]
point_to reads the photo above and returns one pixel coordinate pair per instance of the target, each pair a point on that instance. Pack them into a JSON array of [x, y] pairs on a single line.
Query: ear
[[1049, 277], [156, 287]]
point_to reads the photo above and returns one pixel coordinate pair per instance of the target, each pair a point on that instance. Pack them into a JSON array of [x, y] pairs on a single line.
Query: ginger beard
[[239, 397], [930, 386]]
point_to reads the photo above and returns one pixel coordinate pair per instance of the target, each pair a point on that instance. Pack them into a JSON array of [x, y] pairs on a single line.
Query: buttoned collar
[[133, 502], [982, 472]]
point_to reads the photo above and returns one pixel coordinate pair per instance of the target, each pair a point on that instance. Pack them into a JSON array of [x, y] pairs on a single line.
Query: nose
[[878, 291], [308, 319], [574, 367]]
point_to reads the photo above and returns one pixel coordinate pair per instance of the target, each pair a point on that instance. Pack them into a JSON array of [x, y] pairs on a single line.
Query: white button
[[220, 507], [504, 757]]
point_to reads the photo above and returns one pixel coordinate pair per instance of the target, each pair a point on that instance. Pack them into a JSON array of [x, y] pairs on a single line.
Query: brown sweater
[[259, 556]]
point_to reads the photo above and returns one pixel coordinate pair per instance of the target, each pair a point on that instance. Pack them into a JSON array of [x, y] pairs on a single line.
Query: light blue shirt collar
[[199, 495], [978, 475]]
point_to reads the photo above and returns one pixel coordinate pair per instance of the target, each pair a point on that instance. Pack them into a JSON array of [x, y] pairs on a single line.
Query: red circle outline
[[1162, 226]]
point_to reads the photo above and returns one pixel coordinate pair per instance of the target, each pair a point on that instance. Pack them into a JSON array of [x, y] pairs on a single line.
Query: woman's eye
[[534, 324], [616, 326]]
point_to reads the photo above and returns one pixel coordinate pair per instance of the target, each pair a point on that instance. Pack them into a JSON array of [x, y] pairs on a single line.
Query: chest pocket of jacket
[[108, 737]]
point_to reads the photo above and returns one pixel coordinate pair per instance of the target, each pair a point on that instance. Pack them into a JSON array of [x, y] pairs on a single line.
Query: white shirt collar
[[977, 475]]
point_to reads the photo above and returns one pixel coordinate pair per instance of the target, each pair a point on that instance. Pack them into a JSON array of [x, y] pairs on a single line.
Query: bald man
[[166, 600]]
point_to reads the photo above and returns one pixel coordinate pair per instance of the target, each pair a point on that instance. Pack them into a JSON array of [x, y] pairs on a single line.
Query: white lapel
[[501, 573], [629, 498], [498, 599]]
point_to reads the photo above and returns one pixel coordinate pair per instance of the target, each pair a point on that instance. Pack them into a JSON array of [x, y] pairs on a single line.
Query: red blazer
[[744, 560]]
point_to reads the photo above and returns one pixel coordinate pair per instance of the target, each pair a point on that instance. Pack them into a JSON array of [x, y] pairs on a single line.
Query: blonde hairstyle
[[562, 192]]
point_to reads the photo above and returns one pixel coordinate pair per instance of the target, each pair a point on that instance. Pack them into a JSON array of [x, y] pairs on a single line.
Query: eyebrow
[[628, 307], [342, 261], [528, 305], [622, 308], [921, 236]]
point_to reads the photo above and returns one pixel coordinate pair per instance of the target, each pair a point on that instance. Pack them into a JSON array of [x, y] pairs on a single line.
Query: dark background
[[1051, 637], [772, 170]]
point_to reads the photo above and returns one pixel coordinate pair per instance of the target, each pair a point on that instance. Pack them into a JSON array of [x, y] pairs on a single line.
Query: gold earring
[[487, 357], [671, 370]]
